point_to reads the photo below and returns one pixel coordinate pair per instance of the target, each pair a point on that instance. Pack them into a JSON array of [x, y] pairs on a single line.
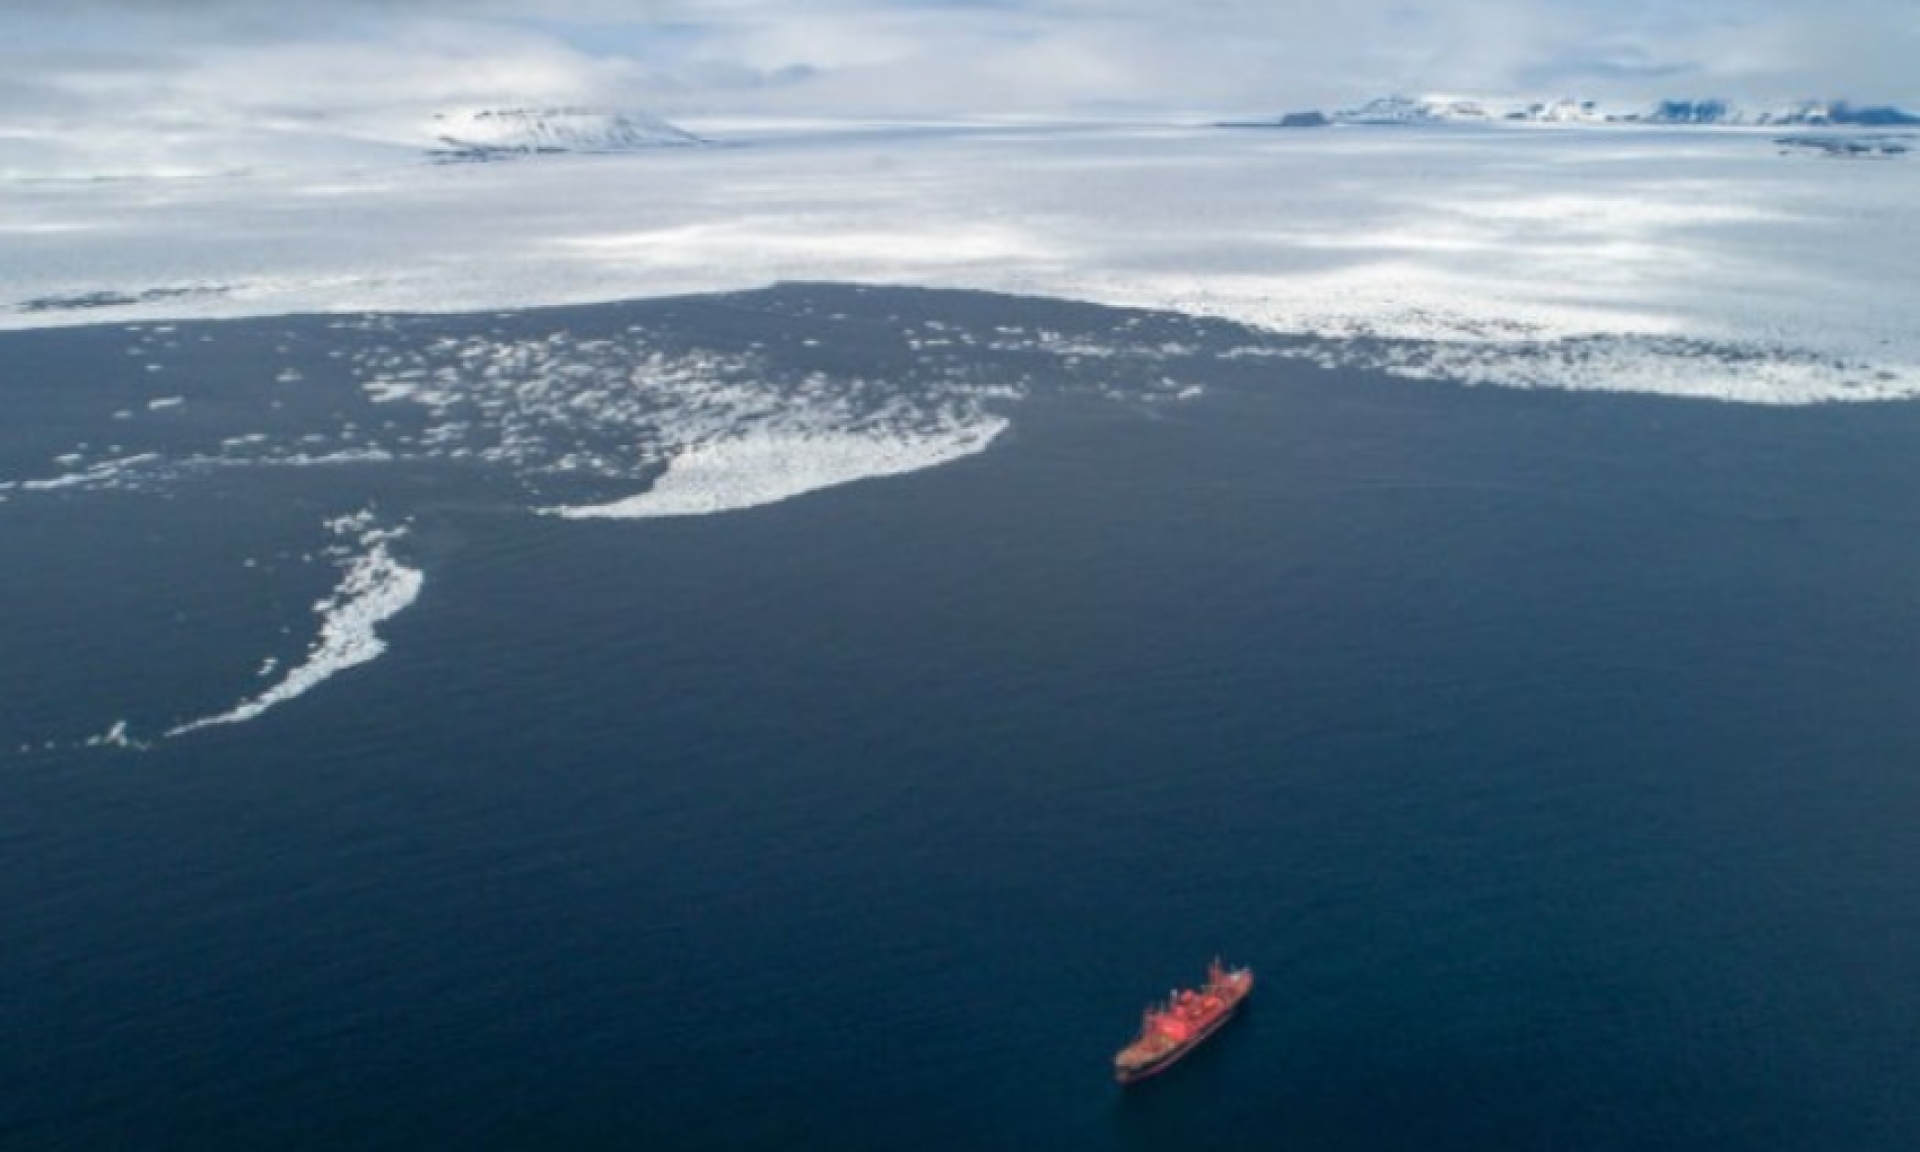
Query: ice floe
[[374, 587], [118, 472], [748, 471], [116, 736], [713, 430]]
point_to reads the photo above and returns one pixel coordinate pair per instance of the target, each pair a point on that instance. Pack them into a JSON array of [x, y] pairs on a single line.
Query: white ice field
[[1688, 261]]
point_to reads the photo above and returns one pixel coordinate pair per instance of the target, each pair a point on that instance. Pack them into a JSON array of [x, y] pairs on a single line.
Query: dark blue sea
[[1553, 758]]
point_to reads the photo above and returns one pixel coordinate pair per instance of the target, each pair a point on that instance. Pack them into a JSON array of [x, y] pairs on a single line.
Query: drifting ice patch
[[116, 737], [1659, 366], [729, 475], [733, 429], [124, 472], [373, 589]]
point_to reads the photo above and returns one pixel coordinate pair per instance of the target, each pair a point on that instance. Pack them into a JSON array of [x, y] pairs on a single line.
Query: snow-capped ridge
[[496, 133], [1459, 110], [1414, 110], [1432, 110], [1565, 110], [1805, 113]]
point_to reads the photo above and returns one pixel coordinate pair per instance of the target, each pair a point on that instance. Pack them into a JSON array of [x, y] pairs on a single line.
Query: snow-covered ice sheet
[[1686, 261]]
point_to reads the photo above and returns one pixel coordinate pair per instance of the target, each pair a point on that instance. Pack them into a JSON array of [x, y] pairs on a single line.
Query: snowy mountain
[[1810, 114], [500, 133], [1421, 111], [1692, 112], [1565, 110], [1413, 110], [1439, 110]]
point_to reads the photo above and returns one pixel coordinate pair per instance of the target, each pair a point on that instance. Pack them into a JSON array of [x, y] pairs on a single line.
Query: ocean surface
[[376, 772]]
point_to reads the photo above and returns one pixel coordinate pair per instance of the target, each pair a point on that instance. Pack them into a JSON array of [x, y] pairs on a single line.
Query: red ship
[[1173, 1029]]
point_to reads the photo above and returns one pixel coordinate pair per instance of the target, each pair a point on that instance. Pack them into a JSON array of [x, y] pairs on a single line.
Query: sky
[[188, 62]]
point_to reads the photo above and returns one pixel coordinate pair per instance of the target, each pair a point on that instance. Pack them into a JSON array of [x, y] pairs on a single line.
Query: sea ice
[[374, 587], [748, 471], [1503, 240]]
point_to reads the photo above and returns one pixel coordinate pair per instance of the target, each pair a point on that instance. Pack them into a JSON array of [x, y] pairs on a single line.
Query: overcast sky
[[192, 60]]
